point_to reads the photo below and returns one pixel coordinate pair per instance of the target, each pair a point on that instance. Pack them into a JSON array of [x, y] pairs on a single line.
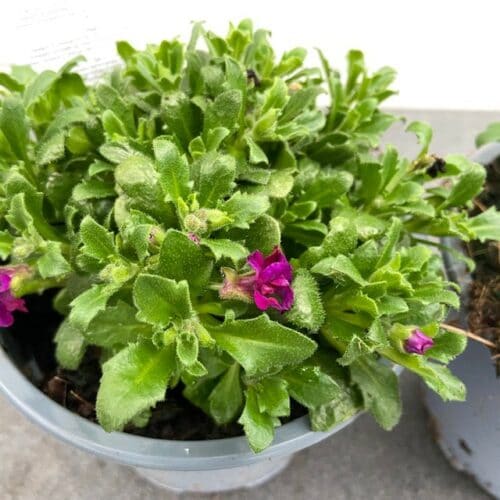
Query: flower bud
[[418, 342], [196, 222]]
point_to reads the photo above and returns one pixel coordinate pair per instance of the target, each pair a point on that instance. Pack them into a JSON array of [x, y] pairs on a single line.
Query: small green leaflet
[[88, 304], [97, 241], [258, 426], [70, 345], [159, 299], [226, 399], [173, 169]]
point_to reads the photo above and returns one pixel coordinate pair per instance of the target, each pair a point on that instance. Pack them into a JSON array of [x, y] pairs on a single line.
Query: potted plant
[[214, 255], [468, 433]]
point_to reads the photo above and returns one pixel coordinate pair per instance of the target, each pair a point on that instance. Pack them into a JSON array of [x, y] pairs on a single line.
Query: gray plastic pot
[[469, 433], [202, 466]]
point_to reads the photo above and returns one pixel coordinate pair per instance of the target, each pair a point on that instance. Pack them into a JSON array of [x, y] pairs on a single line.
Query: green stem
[[21, 288], [210, 308]]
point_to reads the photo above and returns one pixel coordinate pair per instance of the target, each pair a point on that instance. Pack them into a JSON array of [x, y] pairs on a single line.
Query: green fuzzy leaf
[[261, 345], [356, 348], [447, 346], [392, 239], [468, 186], [13, 125], [173, 169], [6, 241], [486, 225], [70, 346], [377, 334], [298, 102], [332, 266], [329, 415], [133, 381], [116, 326], [434, 293], [380, 389], [308, 233], [97, 241], [182, 117], [327, 188], [226, 248], [25, 214], [279, 185], [491, 134], [272, 397], [110, 99], [423, 131], [159, 299], [390, 305], [371, 180], [52, 263], [406, 193], [256, 154], [244, 208], [258, 426], [440, 379], [224, 111], [51, 149], [88, 304], [365, 257], [187, 347], [138, 178], [341, 239], [226, 399], [307, 310], [217, 173], [93, 189], [264, 234], [182, 259], [310, 386]]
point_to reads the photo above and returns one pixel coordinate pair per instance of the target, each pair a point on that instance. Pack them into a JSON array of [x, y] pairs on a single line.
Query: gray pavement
[[361, 462]]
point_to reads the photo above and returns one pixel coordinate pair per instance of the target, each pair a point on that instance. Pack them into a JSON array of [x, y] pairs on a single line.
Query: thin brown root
[[473, 336], [480, 205]]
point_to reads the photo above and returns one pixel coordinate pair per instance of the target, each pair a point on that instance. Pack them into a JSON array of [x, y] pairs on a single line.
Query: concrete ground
[[361, 462]]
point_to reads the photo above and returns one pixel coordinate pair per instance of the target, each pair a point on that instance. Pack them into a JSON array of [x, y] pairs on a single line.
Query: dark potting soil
[[175, 418], [484, 306]]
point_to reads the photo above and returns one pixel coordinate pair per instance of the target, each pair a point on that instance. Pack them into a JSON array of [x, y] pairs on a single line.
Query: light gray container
[[201, 466], [469, 433]]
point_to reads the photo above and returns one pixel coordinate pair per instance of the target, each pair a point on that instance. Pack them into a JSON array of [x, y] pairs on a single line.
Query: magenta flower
[[418, 342], [8, 303], [269, 285]]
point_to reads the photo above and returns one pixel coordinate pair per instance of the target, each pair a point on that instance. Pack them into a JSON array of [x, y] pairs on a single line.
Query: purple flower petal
[[275, 271], [4, 281], [270, 282], [12, 303], [262, 302], [287, 297], [276, 256], [256, 260], [6, 317], [418, 342]]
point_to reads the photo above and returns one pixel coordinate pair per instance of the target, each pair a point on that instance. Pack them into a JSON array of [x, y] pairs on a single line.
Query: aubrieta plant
[[207, 225]]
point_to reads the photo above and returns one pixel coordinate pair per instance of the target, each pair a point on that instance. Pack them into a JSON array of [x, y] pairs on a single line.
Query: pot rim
[[148, 452]]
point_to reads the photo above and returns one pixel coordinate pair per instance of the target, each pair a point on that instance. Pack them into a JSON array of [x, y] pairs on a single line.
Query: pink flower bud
[[418, 342]]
